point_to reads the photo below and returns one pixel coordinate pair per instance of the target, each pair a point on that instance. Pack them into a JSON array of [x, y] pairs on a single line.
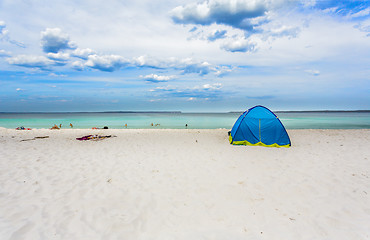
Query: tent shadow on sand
[[258, 126]]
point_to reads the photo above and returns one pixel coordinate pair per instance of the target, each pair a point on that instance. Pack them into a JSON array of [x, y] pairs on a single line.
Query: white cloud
[[157, 78], [186, 65], [53, 40], [4, 53], [313, 72], [156, 100], [190, 66], [363, 13], [217, 34], [57, 75], [364, 27], [212, 86], [204, 92], [4, 35], [146, 61], [239, 45], [83, 53], [233, 13], [78, 65], [222, 71], [3, 31], [58, 56], [112, 63], [166, 88], [108, 63], [251, 17], [283, 30], [30, 61]]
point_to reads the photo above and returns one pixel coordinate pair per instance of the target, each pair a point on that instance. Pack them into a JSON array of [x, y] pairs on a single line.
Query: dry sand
[[183, 185]]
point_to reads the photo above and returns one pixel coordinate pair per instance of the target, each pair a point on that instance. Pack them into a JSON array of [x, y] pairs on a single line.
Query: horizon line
[[241, 111]]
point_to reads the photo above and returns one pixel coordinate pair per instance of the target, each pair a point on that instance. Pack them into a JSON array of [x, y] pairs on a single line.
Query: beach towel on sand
[[93, 137], [22, 128], [34, 138]]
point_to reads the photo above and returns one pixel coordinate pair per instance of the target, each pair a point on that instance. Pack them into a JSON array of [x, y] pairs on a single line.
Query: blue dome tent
[[258, 126]]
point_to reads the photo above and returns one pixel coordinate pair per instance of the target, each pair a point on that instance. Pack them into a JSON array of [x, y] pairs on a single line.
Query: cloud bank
[[239, 51], [237, 14], [252, 18], [28, 61], [59, 50]]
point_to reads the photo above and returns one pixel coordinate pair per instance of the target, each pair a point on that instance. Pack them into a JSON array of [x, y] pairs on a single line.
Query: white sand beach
[[183, 184]]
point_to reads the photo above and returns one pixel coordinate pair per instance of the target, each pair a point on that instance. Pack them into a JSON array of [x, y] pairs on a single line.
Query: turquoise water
[[291, 120]]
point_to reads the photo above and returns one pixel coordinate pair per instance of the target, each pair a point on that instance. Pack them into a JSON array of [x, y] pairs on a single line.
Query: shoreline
[[159, 128], [183, 184], [292, 120]]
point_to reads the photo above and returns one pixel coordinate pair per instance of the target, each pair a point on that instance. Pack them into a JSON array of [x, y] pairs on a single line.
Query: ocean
[[178, 120]]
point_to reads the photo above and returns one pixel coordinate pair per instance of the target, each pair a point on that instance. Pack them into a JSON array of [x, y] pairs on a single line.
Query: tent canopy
[[259, 126]]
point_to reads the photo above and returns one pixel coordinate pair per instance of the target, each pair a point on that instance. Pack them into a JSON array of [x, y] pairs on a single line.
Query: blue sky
[[211, 56]]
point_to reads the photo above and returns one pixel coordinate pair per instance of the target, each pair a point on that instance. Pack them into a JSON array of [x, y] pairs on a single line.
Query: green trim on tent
[[245, 142]]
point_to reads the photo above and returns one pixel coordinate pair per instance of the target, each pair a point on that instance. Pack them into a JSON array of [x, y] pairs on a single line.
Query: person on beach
[[60, 125], [70, 124], [186, 126], [126, 125], [55, 127]]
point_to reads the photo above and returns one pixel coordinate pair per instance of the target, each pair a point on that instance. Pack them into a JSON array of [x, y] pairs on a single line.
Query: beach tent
[[259, 126]]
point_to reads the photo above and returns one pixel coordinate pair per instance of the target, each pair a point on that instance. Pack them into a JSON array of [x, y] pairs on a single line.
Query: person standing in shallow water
[[186, 126], [71, 125]]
